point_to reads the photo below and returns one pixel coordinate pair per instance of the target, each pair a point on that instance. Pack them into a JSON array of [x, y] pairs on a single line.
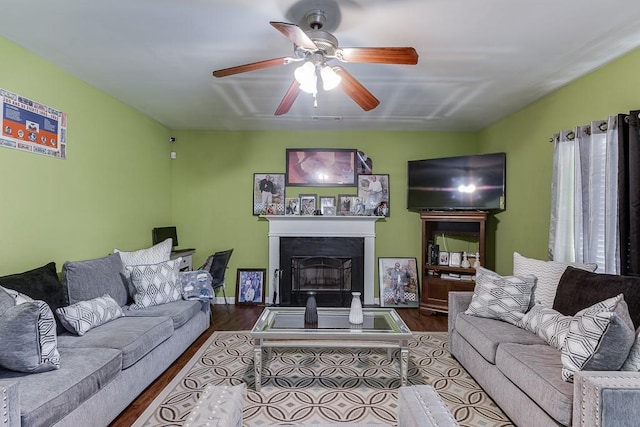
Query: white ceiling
[[479, 60]]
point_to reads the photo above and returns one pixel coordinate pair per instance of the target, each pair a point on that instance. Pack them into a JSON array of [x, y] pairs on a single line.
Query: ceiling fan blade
[[268, 63], [379, 55], [289, 98], [295, 34], [354, 89]]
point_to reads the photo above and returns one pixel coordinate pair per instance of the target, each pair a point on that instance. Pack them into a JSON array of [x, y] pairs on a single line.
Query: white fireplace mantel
[[322, 226]]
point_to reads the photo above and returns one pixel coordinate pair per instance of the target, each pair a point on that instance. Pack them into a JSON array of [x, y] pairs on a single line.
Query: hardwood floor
[[242, 318]]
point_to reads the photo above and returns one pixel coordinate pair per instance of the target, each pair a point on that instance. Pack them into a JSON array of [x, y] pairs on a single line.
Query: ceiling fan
[[315, 47]]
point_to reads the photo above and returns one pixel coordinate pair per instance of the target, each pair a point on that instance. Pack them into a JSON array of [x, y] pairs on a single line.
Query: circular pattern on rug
[[306, 386]]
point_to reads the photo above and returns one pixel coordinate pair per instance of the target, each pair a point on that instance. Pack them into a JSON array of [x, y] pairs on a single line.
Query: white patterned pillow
[[153, 255], [19, 297], [31, 329], [548, 324], [83, 316], [548, 274], [599, 338], [155, 283], [503, 298]]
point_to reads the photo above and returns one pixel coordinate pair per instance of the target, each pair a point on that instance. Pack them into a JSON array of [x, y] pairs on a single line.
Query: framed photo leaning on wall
[[399, 284], [373, 193], [268, 194], [308, 204], [250, 286]]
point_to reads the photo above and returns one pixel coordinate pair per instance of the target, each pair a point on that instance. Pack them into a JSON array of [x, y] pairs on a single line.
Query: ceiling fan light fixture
[[330, 79], [306, 76]]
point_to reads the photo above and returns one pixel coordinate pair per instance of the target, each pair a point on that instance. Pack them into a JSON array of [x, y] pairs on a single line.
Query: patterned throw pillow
[[599, 338], [83, 316], [155, 283], [548, 274], [31, 329], [548, 324], [153, 255], [503, 298]]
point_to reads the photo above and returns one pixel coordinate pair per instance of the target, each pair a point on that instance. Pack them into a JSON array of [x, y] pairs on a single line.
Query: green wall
[[524, 136], [114, 184], [213, 186]]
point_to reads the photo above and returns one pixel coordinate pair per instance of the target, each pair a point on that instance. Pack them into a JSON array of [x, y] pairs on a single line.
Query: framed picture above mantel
[[321, 167]]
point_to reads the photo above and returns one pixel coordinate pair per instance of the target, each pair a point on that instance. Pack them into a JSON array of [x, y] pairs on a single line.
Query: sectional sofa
[[527, 373], [115, 350]]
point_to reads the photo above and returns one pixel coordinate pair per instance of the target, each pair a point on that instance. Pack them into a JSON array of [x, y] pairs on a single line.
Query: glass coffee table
[[284, 327]]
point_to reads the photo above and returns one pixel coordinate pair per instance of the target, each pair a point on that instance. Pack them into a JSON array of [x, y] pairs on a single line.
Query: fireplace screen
[[320, 275]]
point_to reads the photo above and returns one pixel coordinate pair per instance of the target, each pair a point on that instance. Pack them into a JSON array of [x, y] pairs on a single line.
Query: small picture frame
[[399, 284], [443, 258], [292, 206], [345, 204], [329, 210], [455, 259], [308, 204], [250, 286], [268, 194]]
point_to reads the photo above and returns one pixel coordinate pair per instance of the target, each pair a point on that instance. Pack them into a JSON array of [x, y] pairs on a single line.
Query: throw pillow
[[86, 280], [42, 284], [548, 324], [633, 360], [17, 297], [6, 300], [31, 330], [599, 339], [579, 289], [153, 255], [502, 298], [83, 316], [548, 274], [155, 283]]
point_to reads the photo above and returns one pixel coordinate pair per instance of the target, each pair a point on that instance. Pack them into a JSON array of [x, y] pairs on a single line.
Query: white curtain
[[584, 207]]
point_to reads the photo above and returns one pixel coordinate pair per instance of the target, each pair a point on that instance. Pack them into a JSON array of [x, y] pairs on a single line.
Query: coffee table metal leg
[[404, 363], [257, 363]]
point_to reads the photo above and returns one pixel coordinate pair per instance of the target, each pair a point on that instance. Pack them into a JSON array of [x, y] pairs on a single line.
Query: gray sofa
[[522, 374], [104, 370]]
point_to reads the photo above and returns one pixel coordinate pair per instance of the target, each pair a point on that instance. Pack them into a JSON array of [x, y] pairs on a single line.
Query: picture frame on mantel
[[373, 192], [308, 203], [268, 194], [399, 282], [319, 167]]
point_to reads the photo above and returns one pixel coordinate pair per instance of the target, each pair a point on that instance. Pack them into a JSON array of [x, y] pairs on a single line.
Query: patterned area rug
[[307, 386]]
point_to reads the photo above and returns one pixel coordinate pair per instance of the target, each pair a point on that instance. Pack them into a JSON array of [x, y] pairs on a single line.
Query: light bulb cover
[[330, 79], [306, 76]]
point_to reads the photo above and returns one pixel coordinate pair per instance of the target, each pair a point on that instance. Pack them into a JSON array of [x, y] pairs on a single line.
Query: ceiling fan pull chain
[[315, 100]]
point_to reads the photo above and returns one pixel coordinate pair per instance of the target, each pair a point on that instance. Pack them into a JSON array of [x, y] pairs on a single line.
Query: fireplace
[[358, 232], [332, 267]]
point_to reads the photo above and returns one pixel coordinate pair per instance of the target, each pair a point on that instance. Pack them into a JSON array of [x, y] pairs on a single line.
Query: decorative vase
[[311, 310], [465, 261], [476, 264], [355, 314]]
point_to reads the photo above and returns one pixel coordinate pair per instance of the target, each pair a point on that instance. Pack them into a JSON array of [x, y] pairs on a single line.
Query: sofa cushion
[[134, 337], [599, 338], [42, 284], [579, 289], [47, 397], [29, 341], [155, 284], [548, 324], [503, 298], [86, 280], [180, 312], [486, 334], [548, 274], [536, 370], [83, 316]]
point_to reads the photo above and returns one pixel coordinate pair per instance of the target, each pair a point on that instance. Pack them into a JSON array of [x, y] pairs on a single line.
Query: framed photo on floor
[[268, 194], [399, 284], [250, 286]]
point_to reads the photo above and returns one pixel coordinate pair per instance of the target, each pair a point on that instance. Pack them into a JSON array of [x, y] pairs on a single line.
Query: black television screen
[[457, 183], [160, 234]]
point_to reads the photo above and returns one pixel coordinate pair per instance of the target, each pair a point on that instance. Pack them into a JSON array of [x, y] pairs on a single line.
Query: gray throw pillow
[[6, 301], [155, 284], [83, 316], [599, 339], [31, 330], [86, 280]]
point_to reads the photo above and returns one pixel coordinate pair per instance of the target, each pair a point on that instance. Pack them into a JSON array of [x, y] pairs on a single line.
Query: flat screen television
[[474, 182], [160, 234]]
